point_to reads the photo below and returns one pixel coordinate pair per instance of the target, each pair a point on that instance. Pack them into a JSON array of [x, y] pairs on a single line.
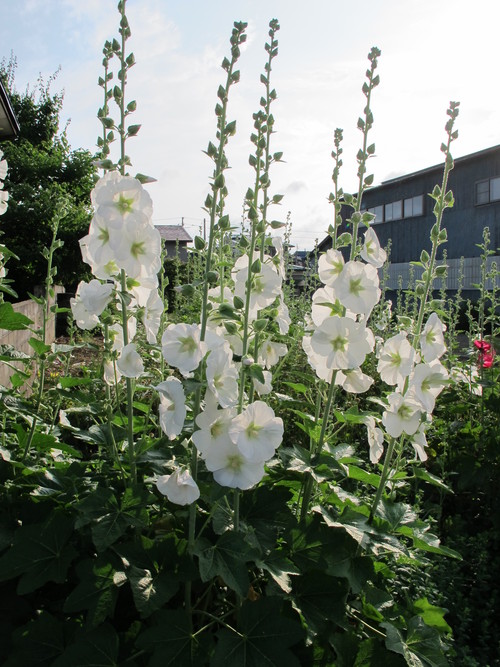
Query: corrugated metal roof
[[173, 233]]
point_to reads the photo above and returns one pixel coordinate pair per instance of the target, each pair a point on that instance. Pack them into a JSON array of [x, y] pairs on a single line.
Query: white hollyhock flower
[[432, 339], [358, 287], [317, 361], [138, 250], [115, 196], [325, 304], [283, 318], [215, 297], [419, 443], [354, 381], [263, 388], [222, 376], [153, 311], [99, 249], [330, 266], [116, 333], [396, 359], [238, 472], [142, 286], [266, 286], [343, 342], [3, 168], [172, 407], [402, 416], [375, 438], [371, 251], [84, 319], [181, 347], [129, 362], [111, 373], [427, 382], [213, 431], [179, 487], [257, 432], [4, 198], [95, 295], [270, 352]]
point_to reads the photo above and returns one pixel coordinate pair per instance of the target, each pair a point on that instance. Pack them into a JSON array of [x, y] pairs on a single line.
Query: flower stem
[[309, 482], [383, 478]]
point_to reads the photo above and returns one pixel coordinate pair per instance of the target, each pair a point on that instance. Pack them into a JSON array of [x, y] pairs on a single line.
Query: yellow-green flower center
[[124, 204]]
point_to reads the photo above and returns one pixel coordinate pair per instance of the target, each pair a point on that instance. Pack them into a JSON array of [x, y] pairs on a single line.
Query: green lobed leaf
[[97, 648], [151, 590], [39, 642], [421, 647], [40, 553], [226, 559], [12, 321], [96, 593], [171, 641], [266, 631], [320, 599], [431, 615]]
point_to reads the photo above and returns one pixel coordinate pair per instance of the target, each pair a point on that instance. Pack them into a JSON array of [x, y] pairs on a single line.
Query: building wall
[[464, 222]]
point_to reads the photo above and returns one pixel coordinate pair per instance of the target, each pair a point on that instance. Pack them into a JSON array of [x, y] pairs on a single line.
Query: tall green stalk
[[443, 199]]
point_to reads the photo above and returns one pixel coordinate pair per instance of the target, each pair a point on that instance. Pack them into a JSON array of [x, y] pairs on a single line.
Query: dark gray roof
[[439, 167], [174, 233]]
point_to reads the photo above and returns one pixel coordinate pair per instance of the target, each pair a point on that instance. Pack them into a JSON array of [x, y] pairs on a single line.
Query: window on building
[[495, 189], [378, 212], [488, 190], [414, 206], [483, 192], [394, 210]]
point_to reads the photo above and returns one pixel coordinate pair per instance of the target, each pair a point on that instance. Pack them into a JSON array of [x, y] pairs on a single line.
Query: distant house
[[9, 127], [176, 239], [404, 215]]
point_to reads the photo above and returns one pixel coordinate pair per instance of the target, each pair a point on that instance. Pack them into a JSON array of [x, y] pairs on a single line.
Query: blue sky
[[433, 51]]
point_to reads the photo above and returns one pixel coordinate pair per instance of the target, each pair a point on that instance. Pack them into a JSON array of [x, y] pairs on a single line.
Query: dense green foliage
[[43, 172], [133, 534]]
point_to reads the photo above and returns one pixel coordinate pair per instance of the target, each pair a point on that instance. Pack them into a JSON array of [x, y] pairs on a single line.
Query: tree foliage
[[43, 172]]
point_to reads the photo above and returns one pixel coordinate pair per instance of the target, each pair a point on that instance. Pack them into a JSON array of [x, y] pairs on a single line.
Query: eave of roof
[[9, 127], [439, 167]]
